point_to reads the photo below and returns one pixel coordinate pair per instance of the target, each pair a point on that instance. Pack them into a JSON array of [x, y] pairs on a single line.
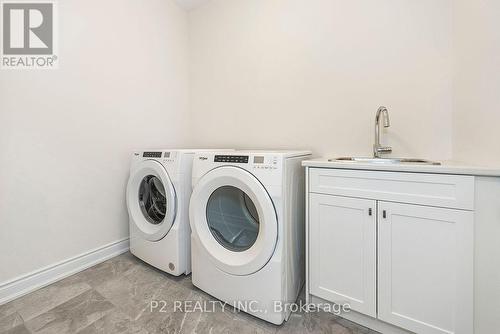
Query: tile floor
[[115, 296]]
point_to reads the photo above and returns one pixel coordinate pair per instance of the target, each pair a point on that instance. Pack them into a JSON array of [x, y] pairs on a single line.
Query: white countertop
[[447, 167]]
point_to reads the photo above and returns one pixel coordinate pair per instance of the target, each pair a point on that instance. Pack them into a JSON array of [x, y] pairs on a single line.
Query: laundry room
[[253, 166]]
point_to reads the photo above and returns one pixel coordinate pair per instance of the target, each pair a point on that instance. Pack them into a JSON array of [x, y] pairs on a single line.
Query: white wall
[[477, 81], [311, 74], [66, 135]]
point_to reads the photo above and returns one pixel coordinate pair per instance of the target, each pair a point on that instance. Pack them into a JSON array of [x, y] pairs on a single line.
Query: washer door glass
[[152, 199], [232, 218]]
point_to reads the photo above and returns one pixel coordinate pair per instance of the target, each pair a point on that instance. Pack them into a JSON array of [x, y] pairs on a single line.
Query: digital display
[[239, 159], [152, 155], [258, 160]]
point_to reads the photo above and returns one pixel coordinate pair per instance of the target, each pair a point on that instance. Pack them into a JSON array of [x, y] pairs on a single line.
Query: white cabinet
[[425, 271], [343, 255], [380, 243]]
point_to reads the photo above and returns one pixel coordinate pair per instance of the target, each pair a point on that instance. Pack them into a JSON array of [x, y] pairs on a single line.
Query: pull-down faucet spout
[[377, 148]]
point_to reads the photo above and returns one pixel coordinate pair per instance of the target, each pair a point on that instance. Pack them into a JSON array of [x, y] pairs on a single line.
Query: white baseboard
[[38, 279]]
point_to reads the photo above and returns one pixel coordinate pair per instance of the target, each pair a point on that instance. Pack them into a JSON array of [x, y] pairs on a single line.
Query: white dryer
[[158, 192], [247, 220]]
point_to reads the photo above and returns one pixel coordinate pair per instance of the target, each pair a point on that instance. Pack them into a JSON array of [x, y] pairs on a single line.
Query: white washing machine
[[247, 220], [157, 194]]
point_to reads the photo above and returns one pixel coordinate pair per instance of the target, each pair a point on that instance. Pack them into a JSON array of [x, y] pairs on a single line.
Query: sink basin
[[388, 161]]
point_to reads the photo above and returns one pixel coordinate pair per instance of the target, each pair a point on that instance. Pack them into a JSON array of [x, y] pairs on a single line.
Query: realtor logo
[[28, 39]]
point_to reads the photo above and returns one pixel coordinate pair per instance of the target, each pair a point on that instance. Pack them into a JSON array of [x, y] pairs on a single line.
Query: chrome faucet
[[377, 148]]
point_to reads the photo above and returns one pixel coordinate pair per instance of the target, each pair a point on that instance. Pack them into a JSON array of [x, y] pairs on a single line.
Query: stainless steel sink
[[389, 161]]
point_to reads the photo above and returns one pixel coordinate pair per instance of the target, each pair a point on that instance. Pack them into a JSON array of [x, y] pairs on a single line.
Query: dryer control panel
[[238, 159], [255, 161], [265, 162], [266, 166]]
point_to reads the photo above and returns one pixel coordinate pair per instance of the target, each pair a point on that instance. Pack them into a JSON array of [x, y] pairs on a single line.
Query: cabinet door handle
[[370, 212], [384, 214]]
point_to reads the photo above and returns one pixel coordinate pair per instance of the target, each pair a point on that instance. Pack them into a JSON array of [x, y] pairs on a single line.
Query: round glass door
[[152, 199], [233, 218]]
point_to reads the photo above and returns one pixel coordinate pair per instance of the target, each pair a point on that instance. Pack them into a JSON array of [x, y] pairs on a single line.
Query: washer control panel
[[157, 155], [152, 154], [169, 156]]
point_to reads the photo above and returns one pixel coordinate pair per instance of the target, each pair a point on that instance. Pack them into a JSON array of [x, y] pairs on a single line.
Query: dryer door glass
[[152, 199], [232, 218]]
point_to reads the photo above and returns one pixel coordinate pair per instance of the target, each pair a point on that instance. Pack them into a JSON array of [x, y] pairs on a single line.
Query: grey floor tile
[[132, 292], [116, 297], [7, 309], [170, 314], [44, 299], [357, 329], [256, 322], [319, 323], [73, 315], [110, 269], [21, 329], [115, 322], [184, 280], [10, 321], [228, 322]]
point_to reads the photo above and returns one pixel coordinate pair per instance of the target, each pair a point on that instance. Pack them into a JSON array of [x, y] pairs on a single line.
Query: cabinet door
[[425, 268], [342, 257]]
